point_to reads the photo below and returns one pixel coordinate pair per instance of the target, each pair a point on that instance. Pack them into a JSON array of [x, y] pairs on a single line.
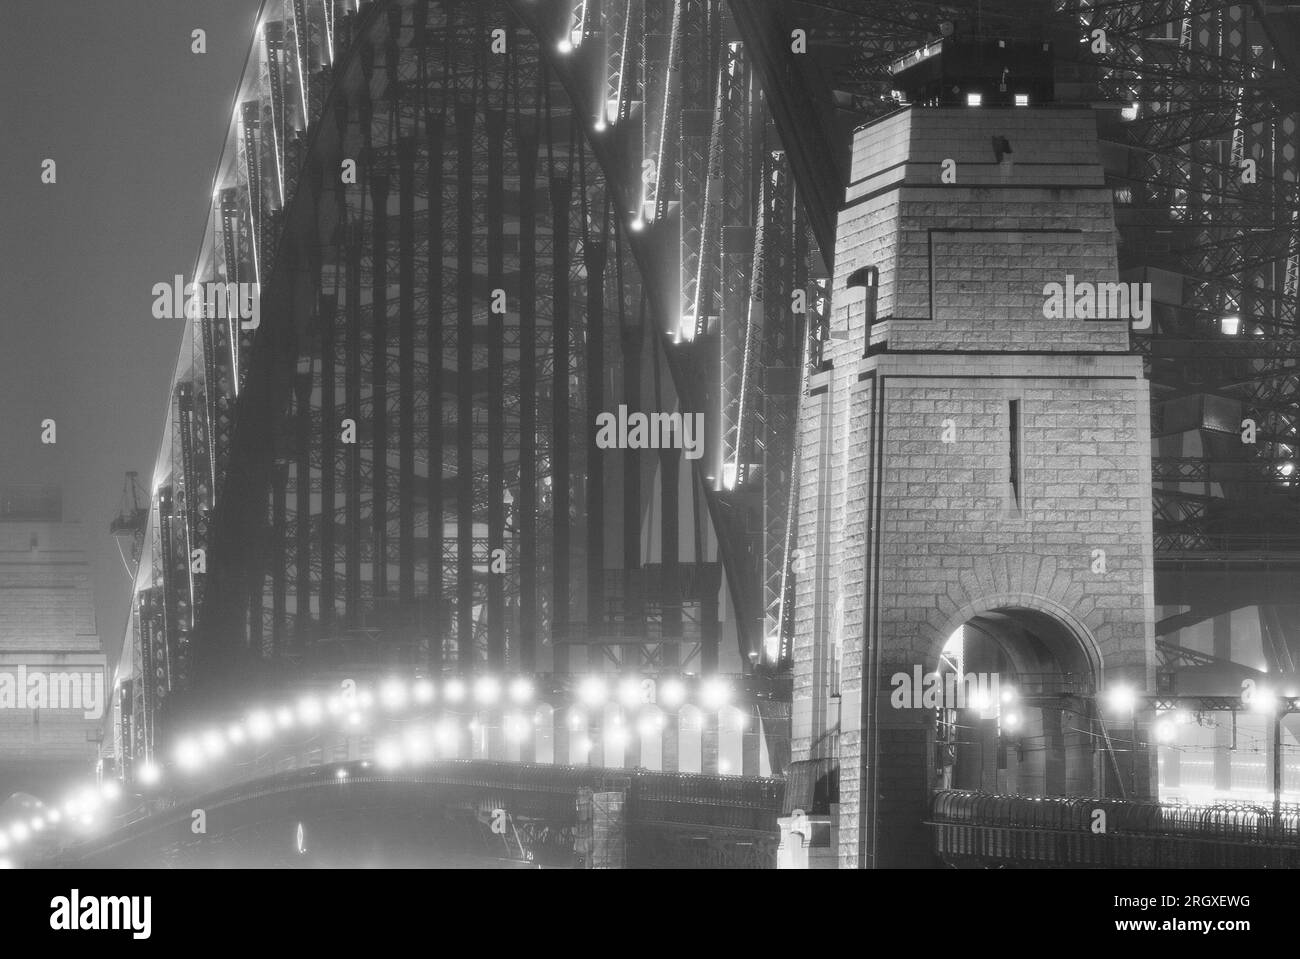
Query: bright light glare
[[629, 692], [487, 690], [715, 694], [577, 720], [1022, 99], [564, 46], [417, 745], [638, 225], [388, 755], [1164, 731], [259, 725], [454, 691], [309, 710], [149, 774], [393, 694], [423, 691], [1011, 720], [235, 734], [672, 693], [592, 691], [340, 774], [616, 738], [111, 791], [1230, 325], [188, 754], [1264, 700], [1130, 112], [974, 99], [284, 717], [521, 690], [213, 744], [1121, 699], [19, 832]]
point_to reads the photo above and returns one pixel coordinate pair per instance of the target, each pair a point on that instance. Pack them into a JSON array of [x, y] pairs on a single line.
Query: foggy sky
[[110, 90]]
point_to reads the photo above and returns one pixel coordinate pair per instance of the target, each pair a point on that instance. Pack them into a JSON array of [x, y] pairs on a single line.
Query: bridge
[[461, 813], [476, 228]]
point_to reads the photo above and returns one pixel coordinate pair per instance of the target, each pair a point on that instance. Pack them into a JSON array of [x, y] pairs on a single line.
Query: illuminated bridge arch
[[474, 228]]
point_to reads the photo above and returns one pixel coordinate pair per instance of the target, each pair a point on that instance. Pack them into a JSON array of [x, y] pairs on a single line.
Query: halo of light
[[487, 690], [1121, 698], [189, 755], [235, 734], [521, 690], [393, 694], [213, 744], [423, 691], [284, 717], [454, 690], [387, 755], [672, 693], [592, 691], [260, 725], [148, 774], [629, 692], [310, 711], [714, 694]]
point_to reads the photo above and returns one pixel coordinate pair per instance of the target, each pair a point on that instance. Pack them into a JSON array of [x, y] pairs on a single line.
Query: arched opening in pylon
[[1013, 698]]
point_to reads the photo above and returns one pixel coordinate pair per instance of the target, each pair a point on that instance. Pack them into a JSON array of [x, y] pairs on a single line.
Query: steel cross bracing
[[1210, 94], [281, 534], [1206, 88]]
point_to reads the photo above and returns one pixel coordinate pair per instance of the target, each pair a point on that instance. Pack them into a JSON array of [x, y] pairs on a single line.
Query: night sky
[[110, 90]]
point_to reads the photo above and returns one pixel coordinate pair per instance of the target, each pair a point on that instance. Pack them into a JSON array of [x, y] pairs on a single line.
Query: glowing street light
[[592, 691], [521, 690], [1121, 699]]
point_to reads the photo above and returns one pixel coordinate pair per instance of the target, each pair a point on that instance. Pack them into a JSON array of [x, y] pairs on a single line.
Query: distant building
[[53, 684]]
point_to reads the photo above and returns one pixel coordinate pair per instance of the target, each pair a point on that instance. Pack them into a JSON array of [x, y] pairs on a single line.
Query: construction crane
[[132, 515]]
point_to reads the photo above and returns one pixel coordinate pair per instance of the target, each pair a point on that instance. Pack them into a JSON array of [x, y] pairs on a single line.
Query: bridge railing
[[970, 826]]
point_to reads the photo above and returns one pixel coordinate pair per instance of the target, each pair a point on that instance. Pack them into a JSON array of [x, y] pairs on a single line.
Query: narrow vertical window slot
[[1013, 449]]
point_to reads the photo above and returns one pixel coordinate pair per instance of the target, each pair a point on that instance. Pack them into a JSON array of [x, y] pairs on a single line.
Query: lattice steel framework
[[473, 226]]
